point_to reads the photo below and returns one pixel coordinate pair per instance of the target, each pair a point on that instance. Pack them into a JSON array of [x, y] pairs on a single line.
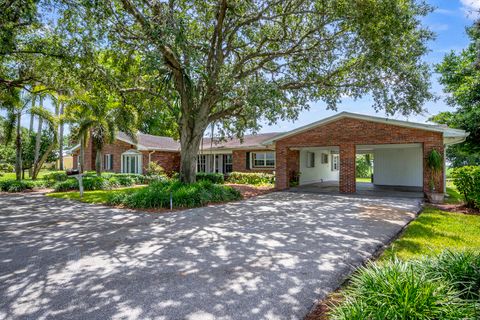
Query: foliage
[[19, 186], [460, 77], [154, 169], [363, 166], [55, 176], [210, 176], [434, 231], [467, 182], [252, 178], [435, 164], [6, 167], [96, 196], [410, 290], [239, 64], [157, 195]]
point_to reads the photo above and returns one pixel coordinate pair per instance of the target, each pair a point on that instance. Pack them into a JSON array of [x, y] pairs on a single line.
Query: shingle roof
[[151, 142], [248, 141]]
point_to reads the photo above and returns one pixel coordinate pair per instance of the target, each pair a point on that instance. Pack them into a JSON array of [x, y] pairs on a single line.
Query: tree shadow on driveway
[[269, 257]]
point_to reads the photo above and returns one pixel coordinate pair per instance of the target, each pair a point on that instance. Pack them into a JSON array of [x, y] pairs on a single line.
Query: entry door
[[131, 163]]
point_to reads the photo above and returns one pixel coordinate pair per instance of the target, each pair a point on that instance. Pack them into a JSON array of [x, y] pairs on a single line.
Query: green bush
[[19, 186], [67, 185], [154, 169], [157, 195], [212, 177], [55, 176], [422, 289], [252, 178], [467, 181], [6, 167]]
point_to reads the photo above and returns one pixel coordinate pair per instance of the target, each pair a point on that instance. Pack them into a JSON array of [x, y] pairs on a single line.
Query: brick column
[[347, 168], [439, 182], [281, 167]]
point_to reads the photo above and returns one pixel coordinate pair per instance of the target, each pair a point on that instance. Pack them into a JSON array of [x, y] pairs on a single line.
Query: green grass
[[363, 179], [11, 175], [97, 196], [434, 231]]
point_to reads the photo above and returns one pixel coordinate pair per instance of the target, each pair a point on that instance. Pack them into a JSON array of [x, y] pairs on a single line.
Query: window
[[310, 159], [324, 158], [108, 162], [132, 162], [227, 163], [263, 159], [335, 162], [201, 163]]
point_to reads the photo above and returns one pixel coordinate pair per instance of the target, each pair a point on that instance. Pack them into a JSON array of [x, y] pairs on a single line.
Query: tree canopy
[[460, 77], [236, 64]]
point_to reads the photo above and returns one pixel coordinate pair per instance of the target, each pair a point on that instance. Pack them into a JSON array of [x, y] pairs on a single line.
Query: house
[[321, 151]]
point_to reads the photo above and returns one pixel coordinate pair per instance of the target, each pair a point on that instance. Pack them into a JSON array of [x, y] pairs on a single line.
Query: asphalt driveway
[[269, 257]]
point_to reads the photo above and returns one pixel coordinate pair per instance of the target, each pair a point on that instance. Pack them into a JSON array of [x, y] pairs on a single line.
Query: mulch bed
[[321, 310], [249, 191], [459, 208]]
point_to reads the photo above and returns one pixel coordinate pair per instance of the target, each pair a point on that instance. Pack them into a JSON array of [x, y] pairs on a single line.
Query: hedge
[[105, 182], [467, 181], [252, 178], [212, 177], [157, 195], [19, 186]]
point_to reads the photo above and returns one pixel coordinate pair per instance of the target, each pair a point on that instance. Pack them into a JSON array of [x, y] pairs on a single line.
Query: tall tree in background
[[236, 63], [460, 77]]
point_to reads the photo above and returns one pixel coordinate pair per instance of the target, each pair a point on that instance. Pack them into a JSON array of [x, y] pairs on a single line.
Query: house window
[[335, 162], [108, 162], [310, 159], [132, 162], [227, 163], [201, 163], [324, 158], [263, 159]]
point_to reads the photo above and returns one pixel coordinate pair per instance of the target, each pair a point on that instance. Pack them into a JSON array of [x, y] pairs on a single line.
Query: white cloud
[[471, 8]]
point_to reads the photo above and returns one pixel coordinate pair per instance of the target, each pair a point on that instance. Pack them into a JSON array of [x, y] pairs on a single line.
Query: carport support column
[[281, 167], [347, 168]]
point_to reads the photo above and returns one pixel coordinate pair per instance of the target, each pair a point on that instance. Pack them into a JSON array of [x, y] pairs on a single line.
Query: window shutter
[[247, 159], [111, 162]]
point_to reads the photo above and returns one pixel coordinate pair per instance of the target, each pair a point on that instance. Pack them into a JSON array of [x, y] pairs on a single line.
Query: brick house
[[322, 151]]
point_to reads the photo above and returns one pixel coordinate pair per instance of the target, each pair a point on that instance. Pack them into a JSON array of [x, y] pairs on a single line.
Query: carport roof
[[451, 136]]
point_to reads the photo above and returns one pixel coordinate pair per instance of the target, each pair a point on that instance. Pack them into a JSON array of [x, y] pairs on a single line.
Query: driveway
[[269, 257]]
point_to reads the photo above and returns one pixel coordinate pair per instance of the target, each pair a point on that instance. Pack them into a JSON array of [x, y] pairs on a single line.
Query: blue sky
[[448, 21]]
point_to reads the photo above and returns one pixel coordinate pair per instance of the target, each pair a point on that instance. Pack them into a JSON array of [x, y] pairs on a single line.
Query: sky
[[448, 21]]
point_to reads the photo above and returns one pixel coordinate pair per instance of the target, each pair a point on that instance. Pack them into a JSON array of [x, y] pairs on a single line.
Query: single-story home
[[321, 151]]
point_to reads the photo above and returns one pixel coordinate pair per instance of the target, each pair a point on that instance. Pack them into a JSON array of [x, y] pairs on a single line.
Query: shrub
[[16, 186], [212, 177], [55, 176], [157, 195], [438, 288], [252, 178], [6, 167], [467, 181], [67, 185], [154, 169]]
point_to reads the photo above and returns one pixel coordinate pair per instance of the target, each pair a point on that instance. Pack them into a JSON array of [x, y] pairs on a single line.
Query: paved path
[[269, 257]]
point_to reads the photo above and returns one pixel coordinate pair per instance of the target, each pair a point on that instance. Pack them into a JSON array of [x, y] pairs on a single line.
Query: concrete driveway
[[270, 257]]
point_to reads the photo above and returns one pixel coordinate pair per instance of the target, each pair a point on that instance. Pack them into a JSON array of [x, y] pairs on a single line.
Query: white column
[[445, 169]]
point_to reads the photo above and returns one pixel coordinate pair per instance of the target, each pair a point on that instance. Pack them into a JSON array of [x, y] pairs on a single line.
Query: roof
[[247, 142], [450, 135], [151, 142]]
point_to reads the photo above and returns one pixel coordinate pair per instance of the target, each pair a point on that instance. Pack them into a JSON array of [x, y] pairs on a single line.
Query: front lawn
[[363, 180], [435, 230], [97, 196]]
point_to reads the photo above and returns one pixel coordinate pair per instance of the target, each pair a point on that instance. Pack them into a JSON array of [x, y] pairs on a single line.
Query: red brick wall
[[240, 160], [346, 133], [170, 161]]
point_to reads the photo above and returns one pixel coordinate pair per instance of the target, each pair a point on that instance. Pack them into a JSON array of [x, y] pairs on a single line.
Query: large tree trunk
[[60, 140], [18, 148], [81, 156], [32, 117], [98, 162], [36, 169], [192, 130]]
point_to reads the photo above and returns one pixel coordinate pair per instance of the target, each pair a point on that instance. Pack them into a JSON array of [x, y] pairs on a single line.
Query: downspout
[[150, 156]]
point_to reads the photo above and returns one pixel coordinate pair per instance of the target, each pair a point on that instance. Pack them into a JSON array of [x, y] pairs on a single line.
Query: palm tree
[[99, 117]]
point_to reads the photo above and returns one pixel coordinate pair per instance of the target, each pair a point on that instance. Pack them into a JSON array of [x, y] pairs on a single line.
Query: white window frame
[[335, 162], [324, 158], [107, 164], [202, 162], [253, 157], [310, 159], [125, 166]]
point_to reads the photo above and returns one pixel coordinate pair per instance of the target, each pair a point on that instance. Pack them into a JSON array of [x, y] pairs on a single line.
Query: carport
[[323, 153]]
